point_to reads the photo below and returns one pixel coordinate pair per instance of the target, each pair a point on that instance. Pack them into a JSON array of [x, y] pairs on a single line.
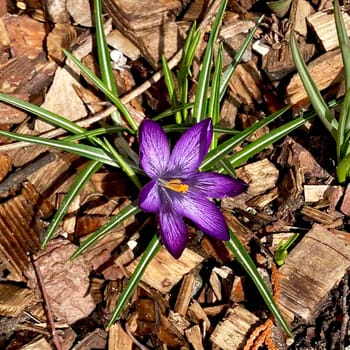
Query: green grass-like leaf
[[100, 85], [237, 58], [255, 147], [201, 99], [104, 57], [214, 100], [151, 250], [220, 152], [84, 176], [316, 99], [125, 213], [44, 114], [245, 260], [86, 151], [344, 43]]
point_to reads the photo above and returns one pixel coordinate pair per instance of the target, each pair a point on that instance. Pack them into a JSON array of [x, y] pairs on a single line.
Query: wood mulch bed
[[205, 299]]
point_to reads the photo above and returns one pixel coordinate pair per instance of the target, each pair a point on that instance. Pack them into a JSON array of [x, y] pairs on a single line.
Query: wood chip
[[317, 193], [318, 215], [19, 235], [300, 9], [304, 288], [232, 331], [14, 299], [60, 92], [185, 294], [164, 271], [97, 339], [246, 82], [194, 337], [325, 70], [260, 176], [5, 165], [198, 315], [66, 282], [38, 343], [118, 339], [345, 206], [26, 35], [278, 63], [61, 37], [119, 41], [80, 10], [295, 155], [323, 25], [57, 11]]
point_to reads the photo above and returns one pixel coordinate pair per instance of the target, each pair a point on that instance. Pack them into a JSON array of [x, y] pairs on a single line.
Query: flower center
[[177, 186]]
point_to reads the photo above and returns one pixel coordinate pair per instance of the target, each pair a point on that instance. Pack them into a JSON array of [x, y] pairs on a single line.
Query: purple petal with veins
[[149, 199], [173, 231], [215, 185], [154, 149], [191, 149]]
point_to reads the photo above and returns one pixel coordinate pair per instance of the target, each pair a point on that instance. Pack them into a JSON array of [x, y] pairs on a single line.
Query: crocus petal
[[173, 231], [203, 213], [154, 149], [190, 149], [149, 199], [215, 185]]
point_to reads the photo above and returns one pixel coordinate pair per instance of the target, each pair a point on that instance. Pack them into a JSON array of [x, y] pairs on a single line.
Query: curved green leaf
[[151, 250], [245, 260], [125, 213], [85, 175]]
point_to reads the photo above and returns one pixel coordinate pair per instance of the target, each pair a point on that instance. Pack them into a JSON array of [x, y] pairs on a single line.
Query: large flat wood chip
[[164, 271], [232, 331], [260, 176], [323, 25], [311, 271], [325, 70], [56, 100]]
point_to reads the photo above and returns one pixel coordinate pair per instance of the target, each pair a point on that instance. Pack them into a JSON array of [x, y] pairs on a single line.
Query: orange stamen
[[177, 186]]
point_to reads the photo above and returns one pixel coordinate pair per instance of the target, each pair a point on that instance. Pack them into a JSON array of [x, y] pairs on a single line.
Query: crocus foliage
[[177, 189]]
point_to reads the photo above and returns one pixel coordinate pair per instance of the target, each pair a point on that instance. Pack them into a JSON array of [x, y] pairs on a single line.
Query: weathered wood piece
[[323, 25], [81, 11], [148, 24], [61, 91], [119, 41], [18, 234], [118, 339], [198, 315], [300, 9], [312, 269], [14, 299], [325, 70], [246, 83], [26, 35], [317, 193], [185, 294], [164, 271], [72, 301], [194, 337], [318, 215], [260, 176], [232, 331], [40, 343], [345, 206], [277, 63], [61, 37]]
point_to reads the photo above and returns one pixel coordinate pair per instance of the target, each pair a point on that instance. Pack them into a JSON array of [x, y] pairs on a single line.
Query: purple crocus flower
[[177, 189]]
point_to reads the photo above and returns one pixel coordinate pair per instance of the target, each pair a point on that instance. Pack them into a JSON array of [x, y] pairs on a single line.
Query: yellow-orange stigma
[[177, 186]]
